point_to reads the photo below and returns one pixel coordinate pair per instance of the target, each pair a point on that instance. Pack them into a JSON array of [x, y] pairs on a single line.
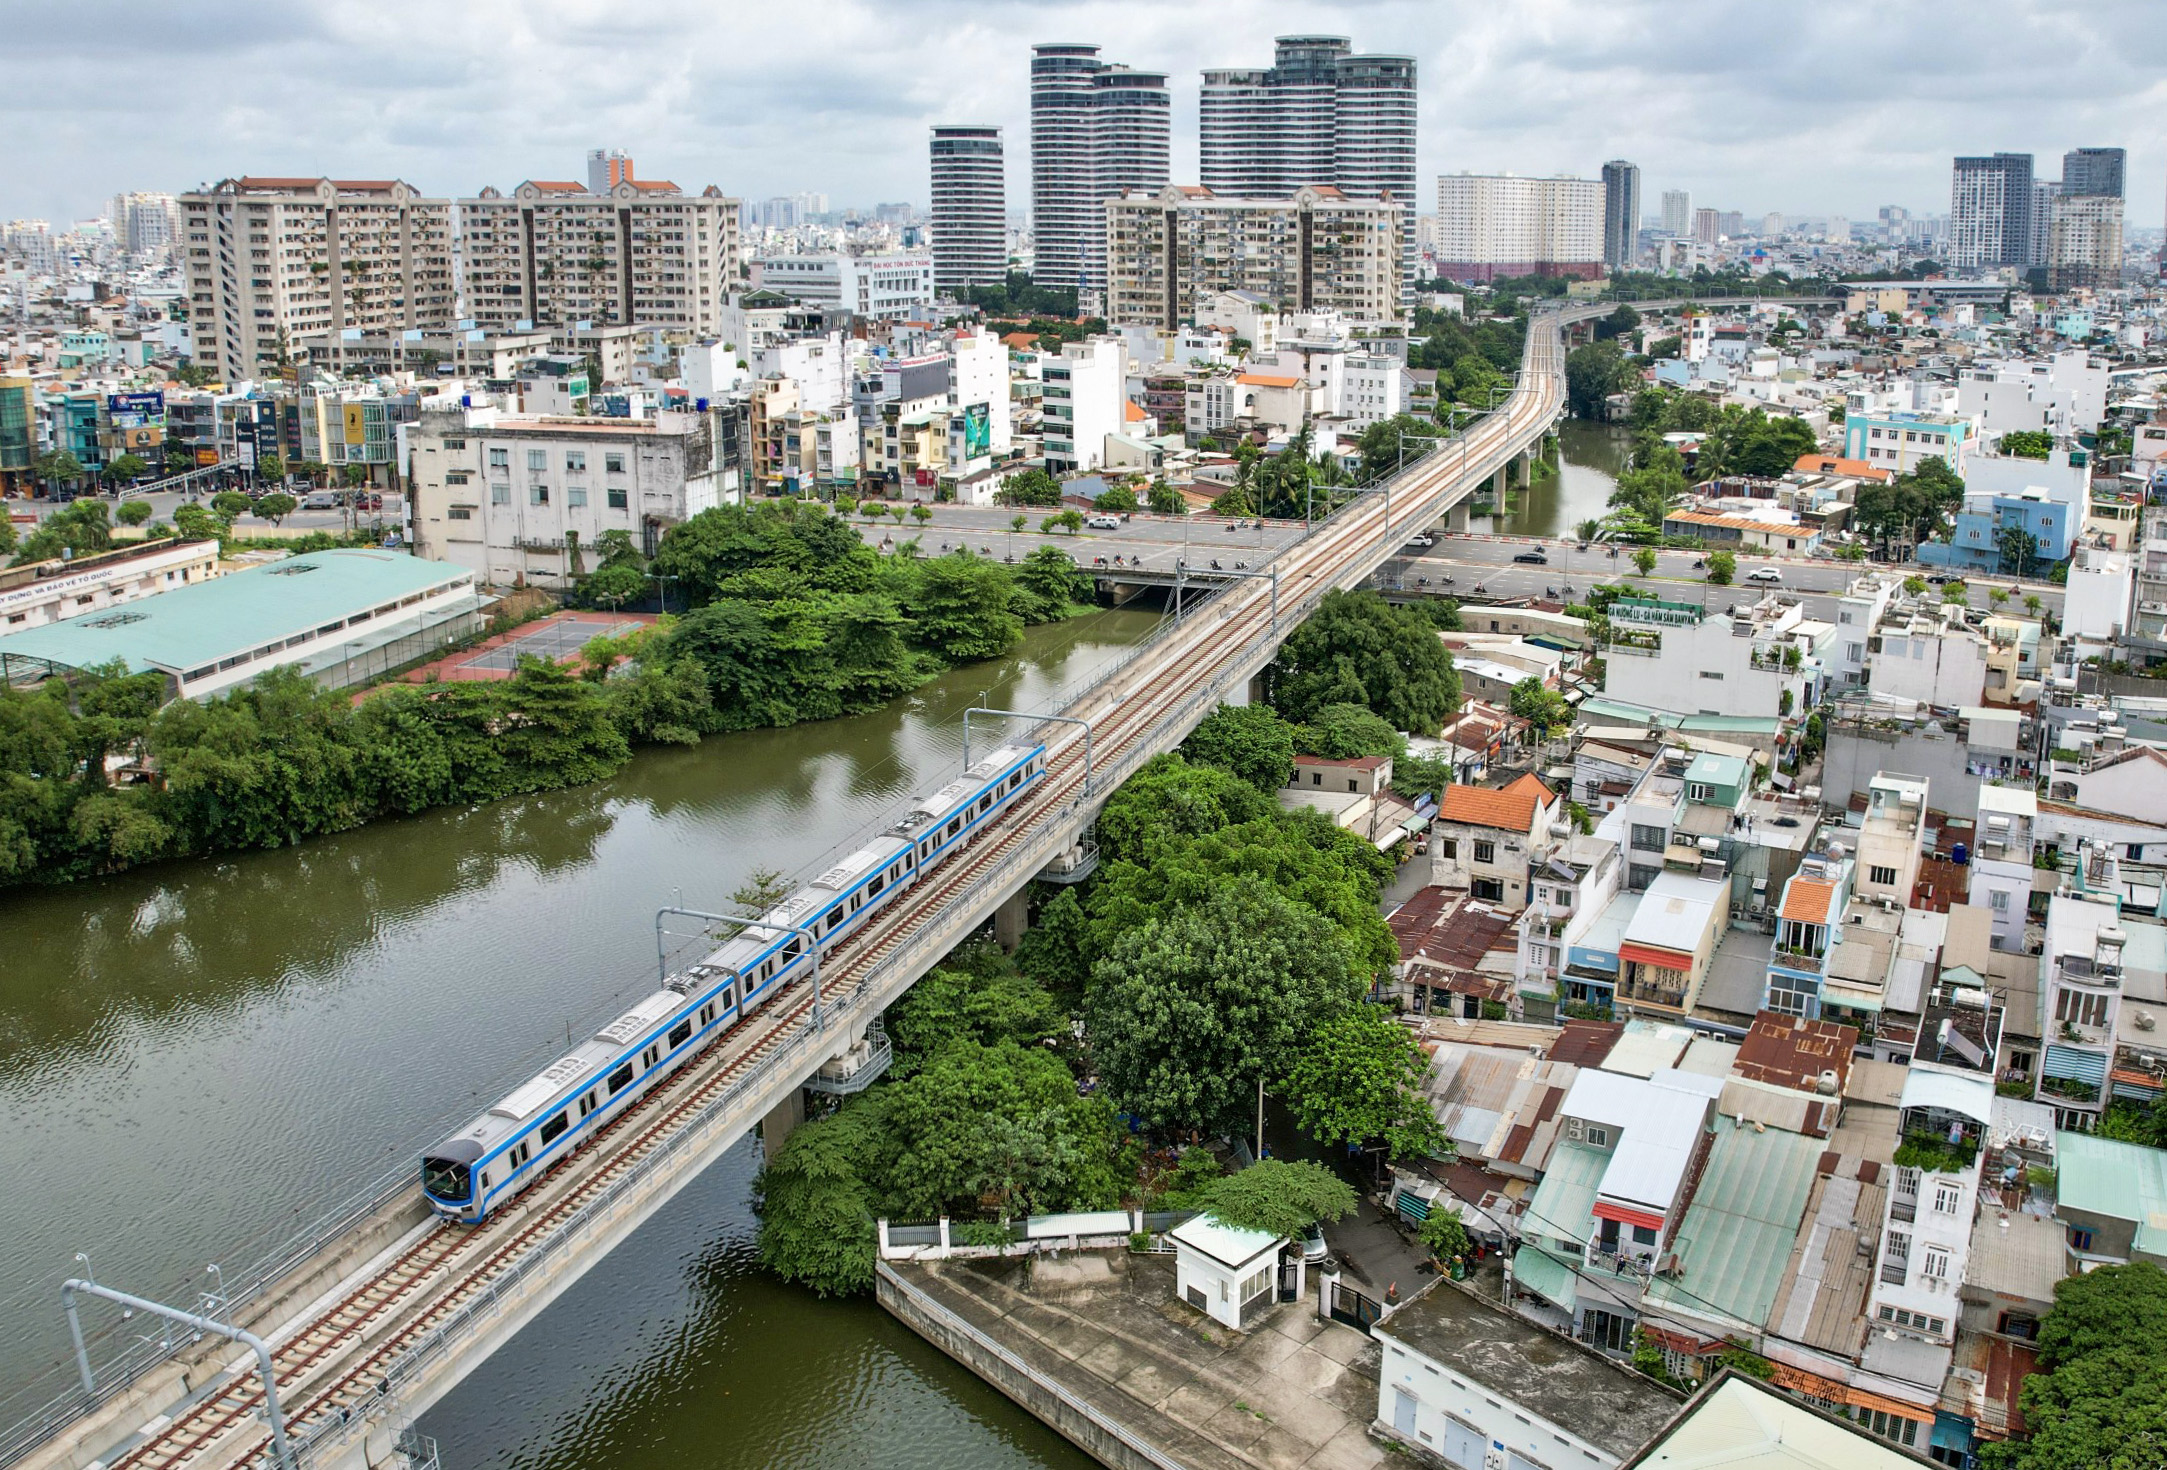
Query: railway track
[[332, 1365]]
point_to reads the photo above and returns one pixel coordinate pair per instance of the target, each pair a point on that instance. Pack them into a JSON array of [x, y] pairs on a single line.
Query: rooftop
[[1739, 1424], [1573, 1387], [1736, 1237], [1511, 809], [200, 624], [1793, 1052], [2117, 1181]]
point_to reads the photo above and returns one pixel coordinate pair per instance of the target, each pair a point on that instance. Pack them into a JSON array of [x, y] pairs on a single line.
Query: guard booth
[[1228, 1274]]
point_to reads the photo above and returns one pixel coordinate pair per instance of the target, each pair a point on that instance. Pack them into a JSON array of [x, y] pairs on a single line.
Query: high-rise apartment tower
[[2087, 171], [1990, 211], [1677, 212], [1096, 129], [1621, 213], [970, 208], [1318, 115]]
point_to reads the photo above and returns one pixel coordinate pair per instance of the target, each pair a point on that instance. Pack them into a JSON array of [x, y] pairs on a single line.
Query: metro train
[[545, 1119]]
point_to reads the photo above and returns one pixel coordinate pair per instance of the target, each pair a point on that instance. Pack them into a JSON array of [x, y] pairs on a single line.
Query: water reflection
[[1555, 505], [195, 1059]]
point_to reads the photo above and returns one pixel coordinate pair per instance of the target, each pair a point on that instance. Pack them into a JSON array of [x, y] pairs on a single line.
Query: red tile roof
[[1836, 464], [1267, 380], [1807, 900], [1512, 809]]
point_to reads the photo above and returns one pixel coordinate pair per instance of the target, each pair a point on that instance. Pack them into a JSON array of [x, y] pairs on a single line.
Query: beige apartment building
[[1314, 250], [642, 254], [270, 260]]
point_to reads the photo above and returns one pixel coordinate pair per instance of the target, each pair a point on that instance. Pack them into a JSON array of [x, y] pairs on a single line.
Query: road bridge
[[373, 1322]]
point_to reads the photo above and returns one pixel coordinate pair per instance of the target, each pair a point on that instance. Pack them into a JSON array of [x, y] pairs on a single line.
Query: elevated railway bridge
[[376, 1319]]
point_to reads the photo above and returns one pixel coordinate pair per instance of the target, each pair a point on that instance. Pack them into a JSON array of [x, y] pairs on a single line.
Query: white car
[[1423, 539], [1103, 523], [1766, 576]]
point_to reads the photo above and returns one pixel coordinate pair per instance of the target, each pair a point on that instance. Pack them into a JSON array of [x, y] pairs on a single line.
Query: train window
[[985, 804], [854, 900], [728, 994], [586, 1103], [648, 1056], [791, 949], [680, 1033], [879, 882], [554, 1129], [955, 826], [620, 1079]]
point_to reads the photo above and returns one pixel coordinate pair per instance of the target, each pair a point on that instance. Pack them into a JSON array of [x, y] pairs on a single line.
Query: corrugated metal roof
[[1737, 1235], [1564, 1202], [1545, 1275], [2121, 1181]]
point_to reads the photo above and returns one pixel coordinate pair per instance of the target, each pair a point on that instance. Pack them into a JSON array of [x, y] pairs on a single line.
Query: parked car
[[1422, 542], [1104, 523], [1313, 1246], [1535, 558], [1766, 576], [320, 500]]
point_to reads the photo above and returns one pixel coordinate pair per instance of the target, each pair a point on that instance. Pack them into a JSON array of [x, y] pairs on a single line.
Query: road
[[1158, 541], [163, 504], [1459, 564]]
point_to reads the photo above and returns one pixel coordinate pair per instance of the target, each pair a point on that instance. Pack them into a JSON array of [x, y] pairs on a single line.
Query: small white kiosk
[[1227, 1273]]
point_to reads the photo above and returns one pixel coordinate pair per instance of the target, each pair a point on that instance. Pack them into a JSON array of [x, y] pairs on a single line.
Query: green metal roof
[[205, 622], [1545, 1275], [1717, 770], [1564, 1203], [2121, 1181], [1736, 1238]]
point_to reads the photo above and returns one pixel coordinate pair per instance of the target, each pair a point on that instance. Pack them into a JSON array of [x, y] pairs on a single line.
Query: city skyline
[[740, 102]]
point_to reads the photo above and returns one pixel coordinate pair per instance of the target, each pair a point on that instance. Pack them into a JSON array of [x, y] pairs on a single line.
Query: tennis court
[[558, 637]]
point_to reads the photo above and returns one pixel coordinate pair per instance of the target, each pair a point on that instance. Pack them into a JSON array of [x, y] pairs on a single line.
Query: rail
[[1043, 838]]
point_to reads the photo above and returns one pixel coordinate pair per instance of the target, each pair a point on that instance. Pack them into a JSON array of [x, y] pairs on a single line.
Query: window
[[1937, 1263], [1640, 875], [1699, 791], [681, 1032], [537, 459], [2079, 1239], [1485, 852], [500, 494], [1998, 900], [554, 1129], [455, 444], [1489, 890], [1947, 1198], [616, 497], [620, 1079], [461, 513], [1886, 877], [1892, 1427], [1452, 849], [1649, 839], [1598, 1137], [614, 463], [575, 495], [1710, 674], [575, 461], [537, 495], [500, 459]]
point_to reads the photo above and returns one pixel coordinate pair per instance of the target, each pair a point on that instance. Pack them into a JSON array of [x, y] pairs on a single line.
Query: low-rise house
[[1669, 942], [1473, 1386], [1227, 1273], [1483, 839], [2111, 1198], [1739, 1421]]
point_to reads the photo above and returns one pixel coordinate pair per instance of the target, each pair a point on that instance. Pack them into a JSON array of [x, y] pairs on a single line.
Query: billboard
[[134, 410], [977, 430], [357, 424]]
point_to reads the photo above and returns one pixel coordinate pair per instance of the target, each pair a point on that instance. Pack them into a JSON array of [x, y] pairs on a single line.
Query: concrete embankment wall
[[1076, 1421]]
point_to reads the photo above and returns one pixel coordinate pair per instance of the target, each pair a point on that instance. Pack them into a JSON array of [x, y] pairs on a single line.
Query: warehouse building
[[339, 616]]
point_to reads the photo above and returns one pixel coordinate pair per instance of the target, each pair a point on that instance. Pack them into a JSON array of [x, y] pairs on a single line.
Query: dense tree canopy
[[1278, 1197], [2099, 1397], [1359, 649], [1358, 1079], [1249, 740]]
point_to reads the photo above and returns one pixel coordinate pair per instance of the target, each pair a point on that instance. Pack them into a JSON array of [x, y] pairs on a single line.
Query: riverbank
[[1096, 1345]]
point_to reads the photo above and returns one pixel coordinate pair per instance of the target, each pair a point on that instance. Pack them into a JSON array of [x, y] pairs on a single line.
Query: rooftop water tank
[[1959, 854]]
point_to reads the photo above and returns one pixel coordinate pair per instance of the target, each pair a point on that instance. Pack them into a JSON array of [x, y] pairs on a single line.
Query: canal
[[197, 1060], [1593, 455]]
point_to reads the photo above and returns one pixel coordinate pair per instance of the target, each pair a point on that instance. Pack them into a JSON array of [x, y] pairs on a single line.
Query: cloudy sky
[[1836, 106]]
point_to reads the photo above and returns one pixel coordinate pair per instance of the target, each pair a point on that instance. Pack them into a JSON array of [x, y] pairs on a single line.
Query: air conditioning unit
[[1576, 1130]]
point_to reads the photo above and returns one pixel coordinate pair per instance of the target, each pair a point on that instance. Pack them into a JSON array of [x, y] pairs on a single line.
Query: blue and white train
[[543, 1120]]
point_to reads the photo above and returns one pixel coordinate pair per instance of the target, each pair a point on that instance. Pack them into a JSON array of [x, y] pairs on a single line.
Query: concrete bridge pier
[[1456, 518], [1258, 694], [1011, 919], [1123, 593], [1497, 483], [781, 1122]]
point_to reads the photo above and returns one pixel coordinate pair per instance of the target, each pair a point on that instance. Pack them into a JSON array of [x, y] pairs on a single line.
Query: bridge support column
[[1456, 518], [1011, 919], [778, 1125], [1258, 694], [1123, 593], [1497, 482]]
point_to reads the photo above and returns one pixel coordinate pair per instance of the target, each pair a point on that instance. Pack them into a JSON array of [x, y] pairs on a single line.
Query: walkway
[[1295, 1393]]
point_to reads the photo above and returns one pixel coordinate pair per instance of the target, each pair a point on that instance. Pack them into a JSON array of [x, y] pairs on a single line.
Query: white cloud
[[1838, 106]]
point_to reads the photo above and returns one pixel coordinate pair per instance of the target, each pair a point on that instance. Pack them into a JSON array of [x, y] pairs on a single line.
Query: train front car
[[447, 1178]]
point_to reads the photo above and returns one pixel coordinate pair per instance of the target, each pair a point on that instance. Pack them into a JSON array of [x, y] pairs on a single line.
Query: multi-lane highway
[[1460, 565]]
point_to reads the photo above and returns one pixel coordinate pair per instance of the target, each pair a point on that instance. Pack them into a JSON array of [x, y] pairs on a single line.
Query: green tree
[[1188, 1012], [818, 1203], [1047, 584], [1018, 522], [1444, 1233], [1167, 798], [948, 1149], [1030, 487], [196, 523], [126, 468], [1644, 560], [1722, 568], [2032, 604], [355, 475], [1278, 1197], [1543, 708], [921, 513], [1070, 521], [1358, 648], [1342, 732], [230, 504], [1389, 443], [271, 468], [612, 586], [1358, 1079], [1115, 500], [1163, 499], [128, 513], [961, 609], [1250, 740], [1593, 374], [2026, 444], [276, 506], [57, 467], [2099, 1397], [985, 1005]]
